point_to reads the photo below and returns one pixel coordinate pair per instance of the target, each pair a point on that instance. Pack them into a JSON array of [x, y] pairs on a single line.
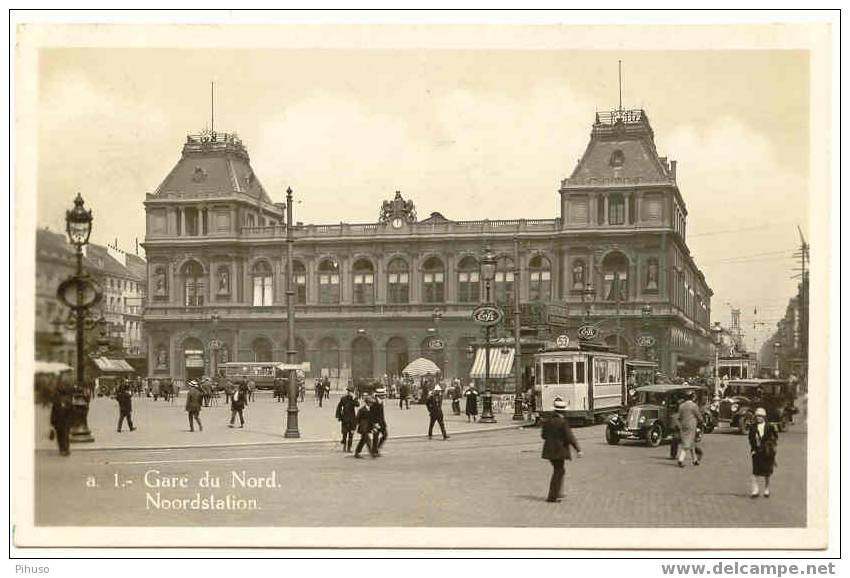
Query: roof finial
[[620, 75], [212, 106]]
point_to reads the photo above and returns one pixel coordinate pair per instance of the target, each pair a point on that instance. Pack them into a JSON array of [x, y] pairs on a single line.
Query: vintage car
[[651, 418], [743, 396]]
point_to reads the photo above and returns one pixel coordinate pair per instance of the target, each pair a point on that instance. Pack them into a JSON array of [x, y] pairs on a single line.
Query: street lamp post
[[716, 332], [646, 313], [518, 413], [436, 316], [80, 293], [214, 346], [777, 348], [487, 273], [587, 294], [291, 351]]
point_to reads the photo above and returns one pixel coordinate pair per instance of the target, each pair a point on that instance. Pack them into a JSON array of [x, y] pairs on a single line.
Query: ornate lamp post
[[215, 345], [646, 313], [487, 273], [518, 390], [80, 293], [777, 349], [587, 295], [291, 351]]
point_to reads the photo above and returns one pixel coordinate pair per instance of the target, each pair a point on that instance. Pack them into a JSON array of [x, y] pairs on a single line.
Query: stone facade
[[371, 296]]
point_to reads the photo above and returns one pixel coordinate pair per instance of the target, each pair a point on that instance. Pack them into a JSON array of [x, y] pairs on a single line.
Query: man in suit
[[379, 420], [194, 399], [434, 403], [61, 416], [404, 395], [558, 437], [364, 428], [125, 407], [346, 415]]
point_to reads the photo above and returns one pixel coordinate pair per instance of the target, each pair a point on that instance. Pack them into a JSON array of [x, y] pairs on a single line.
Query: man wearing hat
[[379, 420], [558, 437], [364, 428], [434, 403], [346, 414], [194, 400]]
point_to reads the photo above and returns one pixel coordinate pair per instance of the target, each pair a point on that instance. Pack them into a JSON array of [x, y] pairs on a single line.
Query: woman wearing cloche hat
[[763, 439]]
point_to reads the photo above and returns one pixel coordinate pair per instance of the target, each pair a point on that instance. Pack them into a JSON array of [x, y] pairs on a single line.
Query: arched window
[[363, 276], [299, 282], [468, 280], [397, 356], [223, 280], [261, 349], [539, 279], [615, 277], [504, 280], [616, 210], [328, 281], [193, 284], [398, 281], [579, 275], [262, 276], [651, 276], [362, 359], [433, 281]]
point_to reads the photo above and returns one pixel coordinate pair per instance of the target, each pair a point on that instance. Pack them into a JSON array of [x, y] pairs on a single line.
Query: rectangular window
[[262, 291], [565, 372], [550, 373], [580, 372]]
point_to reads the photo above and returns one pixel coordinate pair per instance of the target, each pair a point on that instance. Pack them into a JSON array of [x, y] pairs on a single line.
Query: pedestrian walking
[[194, 399], [228, 391], [688, 419], [434, 403], [455, 397], [404, 395], [155, 388], [252, 388], [763, 439], [206, 391], [379, 420], [471, 395], [346, 414], [280, 384], [240, 399], [327, 388], [302, 389], [125, 407], [61, 411], [557, 439], [364, 428]]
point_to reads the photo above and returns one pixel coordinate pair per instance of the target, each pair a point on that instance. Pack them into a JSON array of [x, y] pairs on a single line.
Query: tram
[[590, 379]]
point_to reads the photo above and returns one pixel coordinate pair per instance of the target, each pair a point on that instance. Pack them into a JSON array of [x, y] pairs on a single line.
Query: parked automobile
[[650, 419], [743, 396]]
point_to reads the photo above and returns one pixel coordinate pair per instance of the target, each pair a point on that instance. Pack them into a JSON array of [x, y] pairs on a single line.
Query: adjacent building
[[372, 296], [122, 277]]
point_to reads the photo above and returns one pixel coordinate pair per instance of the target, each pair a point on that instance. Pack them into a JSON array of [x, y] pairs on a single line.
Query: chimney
[[673, 170], [137, 246]]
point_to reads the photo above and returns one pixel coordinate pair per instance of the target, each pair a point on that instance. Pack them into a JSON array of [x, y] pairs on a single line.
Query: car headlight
[[642, 419], [734, 407]]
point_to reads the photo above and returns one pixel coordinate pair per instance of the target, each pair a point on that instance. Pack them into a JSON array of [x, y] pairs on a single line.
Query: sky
[[470, 133]]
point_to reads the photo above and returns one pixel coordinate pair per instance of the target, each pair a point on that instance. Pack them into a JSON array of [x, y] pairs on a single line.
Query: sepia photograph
[[343, 285]]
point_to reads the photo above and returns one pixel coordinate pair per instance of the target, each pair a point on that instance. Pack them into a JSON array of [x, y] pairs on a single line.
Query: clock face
[[397, 223]]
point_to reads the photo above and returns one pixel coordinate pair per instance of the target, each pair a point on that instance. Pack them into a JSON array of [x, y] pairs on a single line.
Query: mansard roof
[[212, 164], [621, 151]]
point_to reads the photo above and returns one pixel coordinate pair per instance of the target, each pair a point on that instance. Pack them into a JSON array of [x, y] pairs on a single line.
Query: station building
[[370, 297]]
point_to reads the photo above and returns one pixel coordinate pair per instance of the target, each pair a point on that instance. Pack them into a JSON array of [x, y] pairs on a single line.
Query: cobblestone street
[[485, 479]]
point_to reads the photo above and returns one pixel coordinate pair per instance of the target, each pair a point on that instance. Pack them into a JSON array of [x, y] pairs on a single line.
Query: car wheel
[[654, 436], [611, 436], [709, 423]]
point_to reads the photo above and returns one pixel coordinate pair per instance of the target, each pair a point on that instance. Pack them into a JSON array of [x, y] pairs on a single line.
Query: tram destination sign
[[487, 315]]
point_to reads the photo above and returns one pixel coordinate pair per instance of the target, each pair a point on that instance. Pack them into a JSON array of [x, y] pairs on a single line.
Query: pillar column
[[345, 280], [312, 282], [451, 278], [183, 231], [380, 281]]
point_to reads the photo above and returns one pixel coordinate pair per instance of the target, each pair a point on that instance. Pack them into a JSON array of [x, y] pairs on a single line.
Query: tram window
[[579, 372], [550, 373], [565, 372]]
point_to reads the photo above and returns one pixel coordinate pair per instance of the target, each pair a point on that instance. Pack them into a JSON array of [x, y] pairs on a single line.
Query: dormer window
[[199, 176], [617, 159]]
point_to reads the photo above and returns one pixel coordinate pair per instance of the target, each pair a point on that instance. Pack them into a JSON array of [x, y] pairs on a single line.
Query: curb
[[84, 448]]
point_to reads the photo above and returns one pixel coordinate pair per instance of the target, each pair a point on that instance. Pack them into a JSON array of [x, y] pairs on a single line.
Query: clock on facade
[[397, 223]]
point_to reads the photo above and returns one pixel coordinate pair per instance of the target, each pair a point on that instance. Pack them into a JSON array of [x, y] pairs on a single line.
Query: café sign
[[587, 332], [487, 315]]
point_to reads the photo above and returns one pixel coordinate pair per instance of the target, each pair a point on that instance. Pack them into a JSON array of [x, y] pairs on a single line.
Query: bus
[[589, 379], [262, 373]]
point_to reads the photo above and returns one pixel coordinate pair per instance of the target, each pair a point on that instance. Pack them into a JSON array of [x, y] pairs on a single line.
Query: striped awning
[[421, 366], [501, 363], [113, 365]]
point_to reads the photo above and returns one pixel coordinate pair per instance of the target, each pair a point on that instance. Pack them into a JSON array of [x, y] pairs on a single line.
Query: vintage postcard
[[361, 285]]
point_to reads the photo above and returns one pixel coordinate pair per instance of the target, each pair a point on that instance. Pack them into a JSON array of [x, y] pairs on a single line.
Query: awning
[[501, 363], [421, 366], [52, 367], [113, 365]]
